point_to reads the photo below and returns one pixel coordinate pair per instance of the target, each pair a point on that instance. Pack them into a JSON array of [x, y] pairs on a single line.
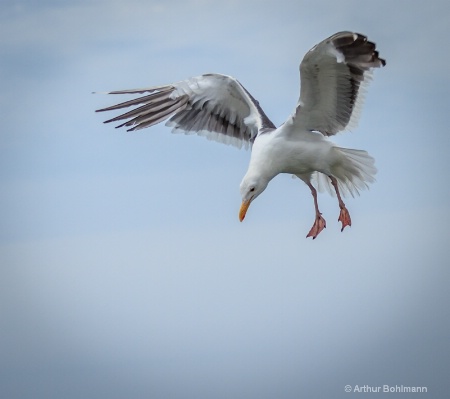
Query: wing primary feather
[[139, 100], [145, 90], [154, 116], [152, 106]]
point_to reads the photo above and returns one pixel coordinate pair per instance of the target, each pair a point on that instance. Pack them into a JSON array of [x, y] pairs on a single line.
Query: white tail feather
[[354, 174]]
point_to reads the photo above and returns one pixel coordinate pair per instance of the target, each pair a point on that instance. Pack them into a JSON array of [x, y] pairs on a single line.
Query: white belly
[[303, 154]]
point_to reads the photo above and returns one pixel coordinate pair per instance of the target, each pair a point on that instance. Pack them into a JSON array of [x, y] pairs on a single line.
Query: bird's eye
[[252, 189]]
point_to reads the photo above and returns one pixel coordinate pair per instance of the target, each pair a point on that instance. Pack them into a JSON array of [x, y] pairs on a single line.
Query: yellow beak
[[243, 210]]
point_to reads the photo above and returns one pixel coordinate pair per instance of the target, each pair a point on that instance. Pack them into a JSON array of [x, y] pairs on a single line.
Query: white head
[[251, 186]]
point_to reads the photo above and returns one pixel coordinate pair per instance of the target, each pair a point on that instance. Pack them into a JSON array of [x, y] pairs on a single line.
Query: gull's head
[[251, 187]]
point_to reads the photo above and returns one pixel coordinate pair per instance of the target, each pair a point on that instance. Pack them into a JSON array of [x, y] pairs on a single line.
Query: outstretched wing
[[334, 76], [211, 105]]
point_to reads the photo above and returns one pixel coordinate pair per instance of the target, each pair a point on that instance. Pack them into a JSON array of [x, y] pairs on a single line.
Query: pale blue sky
[[124, 271]]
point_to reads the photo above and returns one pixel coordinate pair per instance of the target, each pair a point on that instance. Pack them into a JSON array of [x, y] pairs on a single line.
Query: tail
[[354, 170]]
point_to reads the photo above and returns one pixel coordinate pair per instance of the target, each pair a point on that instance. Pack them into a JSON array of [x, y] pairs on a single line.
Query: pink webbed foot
[[344, 218], [318, 226]]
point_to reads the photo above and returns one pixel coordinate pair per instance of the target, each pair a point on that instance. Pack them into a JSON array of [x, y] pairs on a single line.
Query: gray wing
[[211, 105], [334, 76]]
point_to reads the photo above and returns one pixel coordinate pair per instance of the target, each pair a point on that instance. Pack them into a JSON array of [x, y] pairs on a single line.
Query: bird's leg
[[344, 216], [319, 223]]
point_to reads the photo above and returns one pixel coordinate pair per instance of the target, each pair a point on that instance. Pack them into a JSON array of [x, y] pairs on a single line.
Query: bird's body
[[334, 75]]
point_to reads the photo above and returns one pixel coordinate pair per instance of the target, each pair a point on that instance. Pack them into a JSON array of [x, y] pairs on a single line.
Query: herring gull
[[334, 76]]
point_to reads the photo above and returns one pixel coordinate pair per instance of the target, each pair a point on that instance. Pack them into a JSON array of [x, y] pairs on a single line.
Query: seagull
[[334, 76]]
